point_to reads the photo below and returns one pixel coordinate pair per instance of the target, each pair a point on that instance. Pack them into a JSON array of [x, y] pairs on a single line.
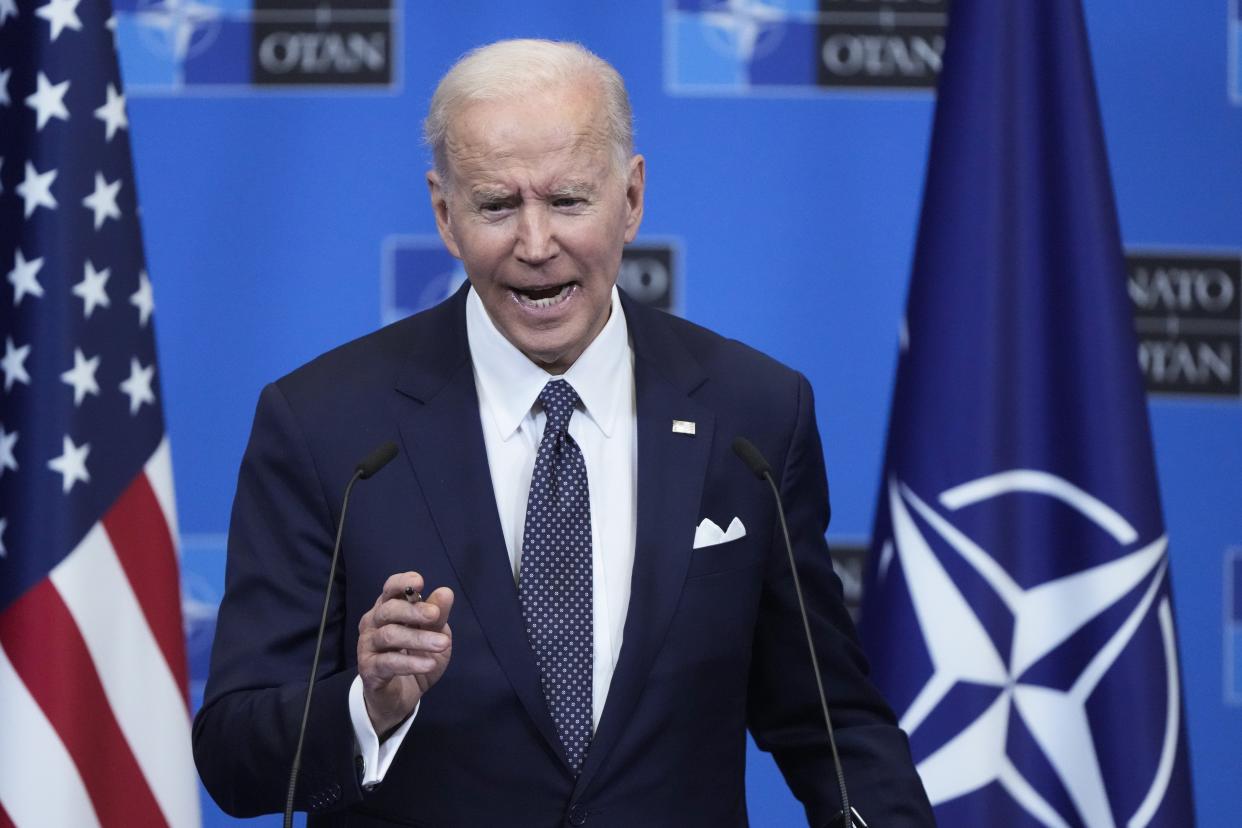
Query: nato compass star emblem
[[1044, 617], [745, 28], [181, 28]]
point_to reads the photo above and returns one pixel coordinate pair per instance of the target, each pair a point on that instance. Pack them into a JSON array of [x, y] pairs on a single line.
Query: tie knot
[[558, 398]]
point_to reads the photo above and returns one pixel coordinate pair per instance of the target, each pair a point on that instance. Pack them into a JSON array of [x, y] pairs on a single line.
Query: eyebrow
[[481, 194], [573, 189]]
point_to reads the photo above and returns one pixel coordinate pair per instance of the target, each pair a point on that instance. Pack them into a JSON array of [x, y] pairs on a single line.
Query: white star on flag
[[143, 299], [24, 278], [48, 101], [112, 113], [8, 8], [36, 189], [14, 364], [138, 386], [82, 376], [4, 73], [71, 464], [91, 289], [103, 200], [61, 14], [8, 439]]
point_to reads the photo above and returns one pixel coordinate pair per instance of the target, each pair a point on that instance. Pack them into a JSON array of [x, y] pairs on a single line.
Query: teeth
[[546, 302]]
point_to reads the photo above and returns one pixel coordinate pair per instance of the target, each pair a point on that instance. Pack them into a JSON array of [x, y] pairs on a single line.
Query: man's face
[[538, 212]]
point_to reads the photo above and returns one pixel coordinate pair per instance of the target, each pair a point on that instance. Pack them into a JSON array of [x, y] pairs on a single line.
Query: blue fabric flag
[[1017, 602]]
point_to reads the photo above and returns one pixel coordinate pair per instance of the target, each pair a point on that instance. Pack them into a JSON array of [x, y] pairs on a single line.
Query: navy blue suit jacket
[[713, 644]]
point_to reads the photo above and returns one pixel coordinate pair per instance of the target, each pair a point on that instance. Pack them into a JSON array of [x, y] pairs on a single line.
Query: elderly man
[[608, 607]]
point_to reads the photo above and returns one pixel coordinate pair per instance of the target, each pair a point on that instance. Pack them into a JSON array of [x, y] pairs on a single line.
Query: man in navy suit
[[566, 602]]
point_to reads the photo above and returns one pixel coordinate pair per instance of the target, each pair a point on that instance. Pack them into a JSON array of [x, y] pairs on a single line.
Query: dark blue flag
[[1017, 603], [94, 718]]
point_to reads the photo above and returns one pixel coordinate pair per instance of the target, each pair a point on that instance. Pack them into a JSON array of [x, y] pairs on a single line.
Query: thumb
[[441, 599]]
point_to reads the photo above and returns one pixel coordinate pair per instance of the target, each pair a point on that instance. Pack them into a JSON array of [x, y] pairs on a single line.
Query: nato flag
[[1017, 604]]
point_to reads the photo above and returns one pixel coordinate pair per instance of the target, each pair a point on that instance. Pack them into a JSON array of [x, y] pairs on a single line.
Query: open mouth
[[544, 297]]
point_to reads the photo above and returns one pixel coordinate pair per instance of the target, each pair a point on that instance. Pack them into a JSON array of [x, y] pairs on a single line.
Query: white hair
[[512, 69]]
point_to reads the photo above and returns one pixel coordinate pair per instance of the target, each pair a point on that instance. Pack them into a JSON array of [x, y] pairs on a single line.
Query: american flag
[[94, 717]]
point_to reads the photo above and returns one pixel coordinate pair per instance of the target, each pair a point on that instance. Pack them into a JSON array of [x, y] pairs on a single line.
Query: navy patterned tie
[[554, 585]]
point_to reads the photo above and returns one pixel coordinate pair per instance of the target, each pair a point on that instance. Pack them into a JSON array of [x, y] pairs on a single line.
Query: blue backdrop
[[280, 172]]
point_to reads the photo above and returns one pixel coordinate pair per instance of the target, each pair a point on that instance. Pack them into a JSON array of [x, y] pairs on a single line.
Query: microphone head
[[376, 460], [752, 457]]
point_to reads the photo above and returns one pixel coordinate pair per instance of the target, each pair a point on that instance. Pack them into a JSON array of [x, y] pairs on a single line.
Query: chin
[[545, 358], [545, 354]]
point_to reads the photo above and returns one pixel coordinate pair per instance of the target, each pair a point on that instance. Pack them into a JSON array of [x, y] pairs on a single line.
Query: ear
[[439, 206], [636, 181]]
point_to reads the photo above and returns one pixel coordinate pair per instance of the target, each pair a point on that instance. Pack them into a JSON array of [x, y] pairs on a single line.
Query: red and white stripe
[[94, 719]]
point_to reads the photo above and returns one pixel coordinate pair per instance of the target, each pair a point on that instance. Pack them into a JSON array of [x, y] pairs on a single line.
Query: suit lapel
[[671, 472], [439, 425]]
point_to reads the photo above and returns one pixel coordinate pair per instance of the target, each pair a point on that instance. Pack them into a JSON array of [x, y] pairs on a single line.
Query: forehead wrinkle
[[490, 149], [489, 180]]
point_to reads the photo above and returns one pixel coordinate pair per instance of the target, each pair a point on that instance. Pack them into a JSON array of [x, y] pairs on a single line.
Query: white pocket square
[[708, 533]]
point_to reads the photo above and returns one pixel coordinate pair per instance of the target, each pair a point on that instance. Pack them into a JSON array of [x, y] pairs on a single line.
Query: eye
[[495, 207], [565, 202]]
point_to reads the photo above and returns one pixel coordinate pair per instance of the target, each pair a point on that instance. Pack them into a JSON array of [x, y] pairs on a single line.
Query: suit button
[[577, 816]]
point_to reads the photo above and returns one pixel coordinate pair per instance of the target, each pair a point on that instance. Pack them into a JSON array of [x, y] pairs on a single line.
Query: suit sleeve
[[784, 710], [279, 550]]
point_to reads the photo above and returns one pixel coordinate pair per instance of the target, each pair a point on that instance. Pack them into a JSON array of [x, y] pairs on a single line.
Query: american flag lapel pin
[[683, 427]]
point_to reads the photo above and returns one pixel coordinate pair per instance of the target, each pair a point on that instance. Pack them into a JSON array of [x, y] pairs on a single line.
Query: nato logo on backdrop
[[189, 47], [1188, 313], [417, 272], [740, 47]]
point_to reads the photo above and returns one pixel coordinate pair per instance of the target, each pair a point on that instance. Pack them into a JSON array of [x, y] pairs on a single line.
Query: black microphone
[[754, 460], [752, 457], [374, 461], [366, 467]]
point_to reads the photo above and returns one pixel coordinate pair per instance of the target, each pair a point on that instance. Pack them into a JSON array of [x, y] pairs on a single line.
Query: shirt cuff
[[375, 756]]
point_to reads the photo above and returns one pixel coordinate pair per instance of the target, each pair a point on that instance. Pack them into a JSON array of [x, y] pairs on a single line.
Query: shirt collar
[[509, 382]]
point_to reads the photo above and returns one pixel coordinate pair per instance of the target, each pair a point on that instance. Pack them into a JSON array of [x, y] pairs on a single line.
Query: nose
[[536, 240]]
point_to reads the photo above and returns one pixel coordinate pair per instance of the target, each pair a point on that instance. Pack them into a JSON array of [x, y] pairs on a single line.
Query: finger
[[442, 601], [396, 585], [398, 637], [400, 611], [389, 665], [369, 619], [387, 611]]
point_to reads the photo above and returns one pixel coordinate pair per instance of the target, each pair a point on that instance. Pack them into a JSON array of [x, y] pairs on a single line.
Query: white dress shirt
[[605, 428]]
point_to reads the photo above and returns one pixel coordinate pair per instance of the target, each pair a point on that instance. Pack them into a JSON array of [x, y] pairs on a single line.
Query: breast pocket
[[724, 557]]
